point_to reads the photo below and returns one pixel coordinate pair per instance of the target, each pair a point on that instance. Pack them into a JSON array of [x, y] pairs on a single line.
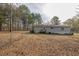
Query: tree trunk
[[0, 27], [24, 27]]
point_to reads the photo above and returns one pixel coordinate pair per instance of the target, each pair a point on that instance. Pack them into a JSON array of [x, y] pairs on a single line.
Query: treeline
[[72, 22], [17, 17]]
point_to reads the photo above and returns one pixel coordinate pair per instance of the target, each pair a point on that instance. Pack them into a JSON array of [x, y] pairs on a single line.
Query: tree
[[31, 18], [55, 20], [73, 22], [16, 15], [23, 14], [5, 12], [35, 18], [38, 19], [69, 22]]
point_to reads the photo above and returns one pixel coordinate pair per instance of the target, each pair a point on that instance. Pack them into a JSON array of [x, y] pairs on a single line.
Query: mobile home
[[51, 29]]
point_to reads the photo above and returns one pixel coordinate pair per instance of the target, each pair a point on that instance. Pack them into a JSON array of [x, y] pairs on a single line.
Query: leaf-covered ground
[[25, 43]]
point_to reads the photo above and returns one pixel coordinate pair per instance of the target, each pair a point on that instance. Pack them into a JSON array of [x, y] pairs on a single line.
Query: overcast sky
[[48, 10]]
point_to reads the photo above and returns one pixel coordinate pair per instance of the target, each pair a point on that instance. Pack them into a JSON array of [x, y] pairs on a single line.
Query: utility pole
[[11, 18], [11, 24]]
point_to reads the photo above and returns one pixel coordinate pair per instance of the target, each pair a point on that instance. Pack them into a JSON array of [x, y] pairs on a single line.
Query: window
[[51, 27], [62, 28]]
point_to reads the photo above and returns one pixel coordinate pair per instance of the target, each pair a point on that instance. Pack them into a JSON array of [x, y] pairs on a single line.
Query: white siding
[[58, 30], [52, 29]]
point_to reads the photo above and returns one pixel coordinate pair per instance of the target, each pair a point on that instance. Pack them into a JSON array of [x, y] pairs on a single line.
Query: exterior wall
[[37, 29], [52, 29], [58, 30]]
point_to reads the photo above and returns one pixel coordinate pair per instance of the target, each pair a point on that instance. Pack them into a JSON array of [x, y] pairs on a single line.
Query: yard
[[25, 43]]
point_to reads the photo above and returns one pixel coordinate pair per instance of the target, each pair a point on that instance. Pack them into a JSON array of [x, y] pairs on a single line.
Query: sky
[[63, 10]]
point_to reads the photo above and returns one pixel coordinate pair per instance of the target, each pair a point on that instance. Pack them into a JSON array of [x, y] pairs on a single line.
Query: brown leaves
[[40, 44]]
